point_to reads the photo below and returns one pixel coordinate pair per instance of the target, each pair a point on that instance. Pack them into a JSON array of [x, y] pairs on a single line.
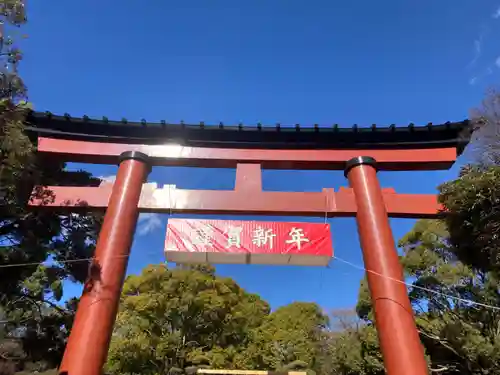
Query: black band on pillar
[[359, 160], [135, 155]]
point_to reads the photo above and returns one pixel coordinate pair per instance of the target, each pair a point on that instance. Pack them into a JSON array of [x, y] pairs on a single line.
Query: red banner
[[255, 242]]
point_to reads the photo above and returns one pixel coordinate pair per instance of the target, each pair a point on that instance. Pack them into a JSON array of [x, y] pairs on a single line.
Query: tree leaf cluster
[[179, 320], [473, 202]]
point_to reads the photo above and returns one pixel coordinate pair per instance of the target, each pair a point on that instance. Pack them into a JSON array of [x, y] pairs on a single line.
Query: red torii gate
[[360, 152]]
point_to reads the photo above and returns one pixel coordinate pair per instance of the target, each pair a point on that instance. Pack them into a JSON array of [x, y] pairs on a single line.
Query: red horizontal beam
[[107, 153], [246, 198], [172, 200]]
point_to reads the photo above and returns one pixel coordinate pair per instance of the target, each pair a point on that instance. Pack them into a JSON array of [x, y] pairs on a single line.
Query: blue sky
[[286, 61]]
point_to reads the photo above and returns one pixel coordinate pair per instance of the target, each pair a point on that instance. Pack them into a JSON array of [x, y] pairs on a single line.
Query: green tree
[[354, 351], [289, 339], [458, 328], [473, 203], [351, 346], [171, 321]]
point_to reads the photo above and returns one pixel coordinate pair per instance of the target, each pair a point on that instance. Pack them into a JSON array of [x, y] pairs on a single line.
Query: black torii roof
[[449, 134]]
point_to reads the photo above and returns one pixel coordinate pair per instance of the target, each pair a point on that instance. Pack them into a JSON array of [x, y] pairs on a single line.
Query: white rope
[[169, 199], [326, 207], [418, 287], [468, 301]]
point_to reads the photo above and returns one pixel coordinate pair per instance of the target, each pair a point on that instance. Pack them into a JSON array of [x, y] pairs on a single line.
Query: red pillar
[[88, 342], [398, 336]]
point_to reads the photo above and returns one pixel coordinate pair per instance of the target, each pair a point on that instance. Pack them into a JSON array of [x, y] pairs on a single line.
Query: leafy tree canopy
[[289, 338], [175, 321], [171, 320]]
